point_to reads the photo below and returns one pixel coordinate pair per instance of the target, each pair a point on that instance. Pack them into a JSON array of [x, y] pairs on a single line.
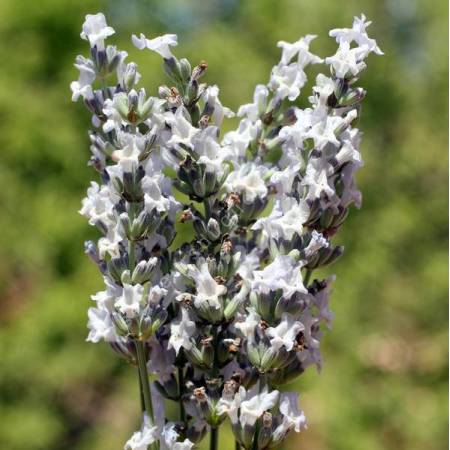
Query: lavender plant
[[218, 324]]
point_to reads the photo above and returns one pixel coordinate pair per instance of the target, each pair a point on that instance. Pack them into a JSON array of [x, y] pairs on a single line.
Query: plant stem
[[131, 256], [131, 244], [237, 446], [143, 375], [214, 439], [141, 393], [255, 438], [207, 205], [307, 277], [180, 393]]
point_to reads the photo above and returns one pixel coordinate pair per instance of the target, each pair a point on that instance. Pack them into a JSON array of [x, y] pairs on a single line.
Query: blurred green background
[[384, 382]]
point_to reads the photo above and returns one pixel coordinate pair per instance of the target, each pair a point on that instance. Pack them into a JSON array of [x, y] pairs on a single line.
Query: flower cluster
[[223, 321]]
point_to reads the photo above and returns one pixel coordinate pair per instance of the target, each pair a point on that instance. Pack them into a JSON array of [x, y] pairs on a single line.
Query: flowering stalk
[[224, 321]]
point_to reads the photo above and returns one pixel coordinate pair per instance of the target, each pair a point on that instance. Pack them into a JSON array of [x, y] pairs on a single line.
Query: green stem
[[104, 88], [141, 393], [307, 277], [214, 439], [143, 375], [207, 205], [180, 393], [263, 381], [255, 438], [237, 446], [131, 244], [131, 256]]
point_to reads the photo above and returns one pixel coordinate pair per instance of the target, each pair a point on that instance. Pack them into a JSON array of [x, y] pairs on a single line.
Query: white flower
[[208, 290], [323, 89], [110, 243], [317, 242], [169, 438], [236, 142], [211, 97], [247, 263], [317, 181], [209, 150], [287, 81], [254, 110], [323, 128], [98, 205], [83, 87], [254, 405], [95, 30], [283, 273], [248, 180], [105, 299], [143, 438], [182, 130], [285, 333], [310, 330], [347, 60], [100, 326], [114, 109], [156, 293], [287, 218], [181, 331], [292, 138], [130, 300], [349, 151], [153, 197], [231, 405], [248, 325], [162, 361], [127, 156], [160, 44], [350, 193], [357, 34], [300, 48], [293, 417], [322, 299]]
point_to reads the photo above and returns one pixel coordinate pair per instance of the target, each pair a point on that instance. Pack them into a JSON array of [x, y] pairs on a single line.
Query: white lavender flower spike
[[224, 320]]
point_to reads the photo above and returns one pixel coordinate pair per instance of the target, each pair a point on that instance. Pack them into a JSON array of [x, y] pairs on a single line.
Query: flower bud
[[120, 324], [116, 266], [192, 92], [332, 256], [143, 271], [265, 432], [199, 227], [199, 188], [340, 88], [173, 69], [130, 77], [168, 388], [213, 229], [185, 69], [207, 350], [327, 218], [114, 58], [233, 306], [352, 97], [125, 278], [132, 188], [199, 70], [125, 223], [195, 356], [90, 248], [211, 182], [196, 431]]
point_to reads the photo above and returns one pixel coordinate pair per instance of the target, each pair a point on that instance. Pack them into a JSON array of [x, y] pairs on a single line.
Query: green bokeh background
[[384, 382]]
